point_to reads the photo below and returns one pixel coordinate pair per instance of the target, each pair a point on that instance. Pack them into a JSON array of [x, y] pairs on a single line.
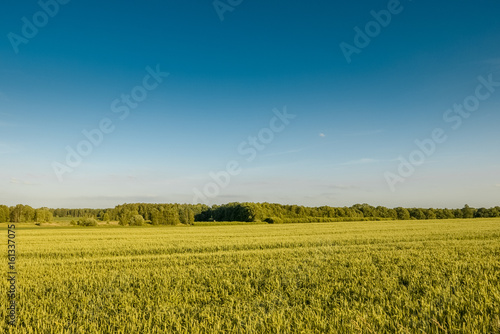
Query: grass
[[346, 277]]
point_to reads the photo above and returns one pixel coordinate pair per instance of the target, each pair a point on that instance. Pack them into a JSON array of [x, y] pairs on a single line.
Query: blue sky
[[352, 121]]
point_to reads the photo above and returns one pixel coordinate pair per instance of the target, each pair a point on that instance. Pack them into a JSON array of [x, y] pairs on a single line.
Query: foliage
[[89, 221], [105, 217], [247, 212], [273, 220], [136, 220], [187, 214], [43, 215], [4, 214]]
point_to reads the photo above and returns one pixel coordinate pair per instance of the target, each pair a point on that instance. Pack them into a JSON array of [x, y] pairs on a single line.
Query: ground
[[431, 276]]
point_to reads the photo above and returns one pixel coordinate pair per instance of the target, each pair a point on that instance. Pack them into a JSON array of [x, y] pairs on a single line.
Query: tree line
[[25, 213], [296, 213], [173, 214]]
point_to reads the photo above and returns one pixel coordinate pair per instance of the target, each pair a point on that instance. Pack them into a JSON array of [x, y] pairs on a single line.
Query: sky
[[298, 102]]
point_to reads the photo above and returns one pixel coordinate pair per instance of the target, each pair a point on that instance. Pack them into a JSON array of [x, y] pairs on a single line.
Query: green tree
[[4, 214], [482, 213], [468, 212], [156, 217], [430, 214], [417, 213], [366, 209], [402, 213], [43, 215], [495, 212], [87, 221], [186, 216], [171, 216], [136, 220], [17, 214], [29, 213], [383, 212], [273, 220], [124, 214], [105, 217]]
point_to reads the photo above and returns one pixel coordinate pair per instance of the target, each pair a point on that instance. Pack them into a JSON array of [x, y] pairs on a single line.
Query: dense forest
[[173, 214]]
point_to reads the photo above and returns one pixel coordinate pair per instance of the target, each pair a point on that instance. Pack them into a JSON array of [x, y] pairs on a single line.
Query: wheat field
[[354, 277]]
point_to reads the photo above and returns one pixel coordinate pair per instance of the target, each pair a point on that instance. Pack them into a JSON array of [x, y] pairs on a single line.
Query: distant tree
[[171, 216], [190, 217], [29, 213], [366, 209], [468, 212], [495, 212], [340, 212], [17, 214], [402, 213], [43, 215], [391, 213], [484, 213], [4, 214], [61, 213], [183, 216], [458, 213], [87, 221], [106, 217], [417, 213], [444, 213], [430, 214], [125, 214], [448, 213], [136, 220], [156, 217], [186, 216], [273, 220], [383, 212]]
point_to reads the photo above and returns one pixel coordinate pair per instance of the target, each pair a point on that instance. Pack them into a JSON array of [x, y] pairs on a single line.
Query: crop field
[[423, 276]]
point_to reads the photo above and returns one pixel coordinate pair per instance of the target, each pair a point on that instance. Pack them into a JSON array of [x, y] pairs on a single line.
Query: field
[[353, 277]]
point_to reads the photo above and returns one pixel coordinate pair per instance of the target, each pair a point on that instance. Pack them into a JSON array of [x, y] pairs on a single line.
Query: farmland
[[432, 276]]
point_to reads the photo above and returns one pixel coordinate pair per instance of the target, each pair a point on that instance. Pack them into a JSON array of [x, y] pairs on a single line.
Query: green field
[[424, 276]]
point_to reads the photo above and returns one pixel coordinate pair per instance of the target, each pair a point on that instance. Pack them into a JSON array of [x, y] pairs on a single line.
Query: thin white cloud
[[322, 135], [14, 180]]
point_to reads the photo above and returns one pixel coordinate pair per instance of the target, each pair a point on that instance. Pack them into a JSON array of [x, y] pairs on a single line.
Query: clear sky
[[351, 102]]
